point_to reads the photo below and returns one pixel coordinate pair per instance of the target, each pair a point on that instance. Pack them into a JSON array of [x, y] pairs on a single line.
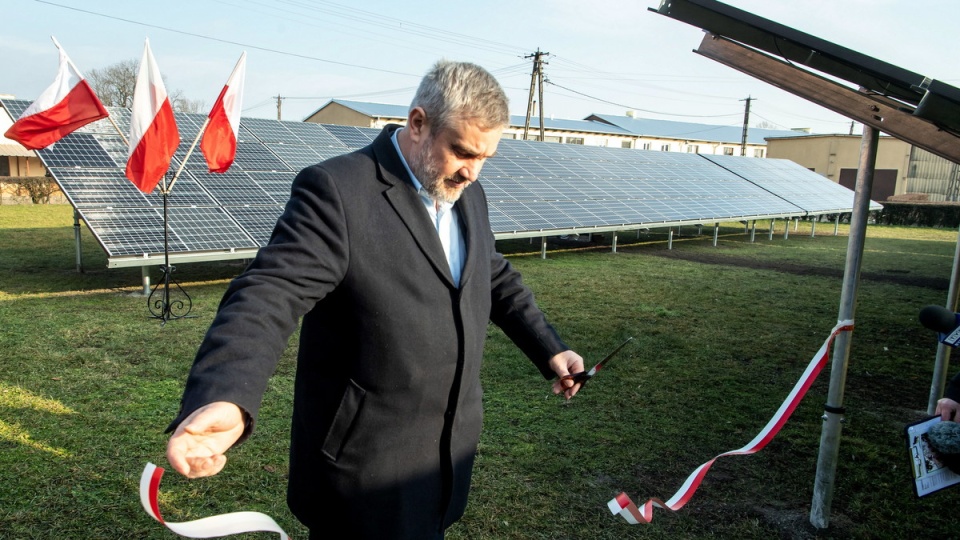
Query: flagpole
[[164, 307], [75, 68], [187, 158]]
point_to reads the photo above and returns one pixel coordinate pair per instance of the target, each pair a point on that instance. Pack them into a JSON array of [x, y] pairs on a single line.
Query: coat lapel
[[408, 205]]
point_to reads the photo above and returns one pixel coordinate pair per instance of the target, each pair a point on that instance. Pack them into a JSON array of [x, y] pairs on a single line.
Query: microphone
[[943, 321]]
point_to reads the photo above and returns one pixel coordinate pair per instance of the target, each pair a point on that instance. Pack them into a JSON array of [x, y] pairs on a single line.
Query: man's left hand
[[563, 364]]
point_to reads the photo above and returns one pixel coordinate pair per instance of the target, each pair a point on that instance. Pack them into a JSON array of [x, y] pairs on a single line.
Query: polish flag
[[65, 106], [153, 131], [219, 144]]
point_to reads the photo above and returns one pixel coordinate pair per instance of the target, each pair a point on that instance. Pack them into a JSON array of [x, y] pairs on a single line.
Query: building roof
[[603, 124], [374, 110], [399, 112], [10, 147], [668, 129]]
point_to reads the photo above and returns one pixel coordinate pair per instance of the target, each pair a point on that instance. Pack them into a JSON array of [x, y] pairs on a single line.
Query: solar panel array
[[534, 189]]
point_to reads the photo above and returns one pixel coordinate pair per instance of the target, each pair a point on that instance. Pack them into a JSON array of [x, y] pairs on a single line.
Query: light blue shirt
[[445, 219]]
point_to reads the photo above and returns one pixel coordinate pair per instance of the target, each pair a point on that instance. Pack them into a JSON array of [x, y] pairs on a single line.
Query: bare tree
[[180, 103], [114, 86], [766, 125]]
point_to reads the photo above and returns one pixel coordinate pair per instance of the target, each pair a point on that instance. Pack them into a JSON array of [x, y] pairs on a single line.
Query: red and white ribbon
[[623, 505], [211, 527]]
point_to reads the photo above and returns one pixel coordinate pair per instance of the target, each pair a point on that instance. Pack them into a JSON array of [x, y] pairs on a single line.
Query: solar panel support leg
[[76, 238], [145, 278], [786, 229], [669, 238], [772, 221], [836, 226], [813, 228], [753, 231], [716, 233], [614, 242], [543, 247], [796, 224]]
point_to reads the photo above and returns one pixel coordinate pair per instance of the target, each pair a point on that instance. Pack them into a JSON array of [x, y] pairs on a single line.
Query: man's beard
[[425, 168]]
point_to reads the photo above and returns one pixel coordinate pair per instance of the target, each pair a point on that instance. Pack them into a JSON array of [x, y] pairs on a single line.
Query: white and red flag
[[65, 106], [219, 144], [153, 131]]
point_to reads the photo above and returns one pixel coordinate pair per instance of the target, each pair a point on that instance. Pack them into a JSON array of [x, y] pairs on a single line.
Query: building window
[[728, 150], [693, 149], [574, 140], [552, 138], [664, 147], [758, 152], [646, 146], [626, 144]]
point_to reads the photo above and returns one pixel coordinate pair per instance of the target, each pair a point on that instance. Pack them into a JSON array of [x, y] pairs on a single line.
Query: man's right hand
[[947, 409], [197, 447]]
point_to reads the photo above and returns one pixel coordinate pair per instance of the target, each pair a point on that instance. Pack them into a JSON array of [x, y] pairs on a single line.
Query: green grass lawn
[[88, 383]]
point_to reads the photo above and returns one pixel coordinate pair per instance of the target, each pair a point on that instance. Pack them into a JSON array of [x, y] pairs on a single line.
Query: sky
[[605, 56]]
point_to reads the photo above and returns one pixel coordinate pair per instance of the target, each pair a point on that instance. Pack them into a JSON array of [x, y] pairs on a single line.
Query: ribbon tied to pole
[[626, 508]]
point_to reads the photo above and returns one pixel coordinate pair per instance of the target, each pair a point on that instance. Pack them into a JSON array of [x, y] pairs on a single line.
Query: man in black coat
[[388, 256]]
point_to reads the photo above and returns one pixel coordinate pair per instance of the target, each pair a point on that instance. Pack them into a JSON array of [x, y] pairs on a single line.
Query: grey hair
[[453, 91]]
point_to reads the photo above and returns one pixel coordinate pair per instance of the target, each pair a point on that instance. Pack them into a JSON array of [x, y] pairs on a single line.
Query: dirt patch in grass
[[892, 276]]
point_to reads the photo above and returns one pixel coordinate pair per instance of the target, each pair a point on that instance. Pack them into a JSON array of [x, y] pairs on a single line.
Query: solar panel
[[257, 221], [792, 181], [77, 150], [350, 136], [98, 188], [533, 188]]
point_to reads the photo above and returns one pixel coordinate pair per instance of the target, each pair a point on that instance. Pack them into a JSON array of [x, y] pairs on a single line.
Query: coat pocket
[[343, 421]]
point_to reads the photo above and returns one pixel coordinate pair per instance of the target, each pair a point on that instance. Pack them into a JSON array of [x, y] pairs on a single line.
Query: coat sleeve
[[515, 311], [306, 258], [953, 388]]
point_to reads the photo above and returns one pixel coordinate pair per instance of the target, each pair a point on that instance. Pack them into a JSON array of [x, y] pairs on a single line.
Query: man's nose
[[471, 171]]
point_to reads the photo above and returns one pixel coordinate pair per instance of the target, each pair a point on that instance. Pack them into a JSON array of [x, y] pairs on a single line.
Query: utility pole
[[536, 81], [851, 126], [279, 105], [746, 125]]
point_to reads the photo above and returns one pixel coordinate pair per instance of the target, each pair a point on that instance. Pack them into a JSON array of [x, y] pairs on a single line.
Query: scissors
[[585, 376]]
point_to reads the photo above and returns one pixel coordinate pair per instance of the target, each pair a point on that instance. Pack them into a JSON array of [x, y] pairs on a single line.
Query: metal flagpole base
[[165, 306]]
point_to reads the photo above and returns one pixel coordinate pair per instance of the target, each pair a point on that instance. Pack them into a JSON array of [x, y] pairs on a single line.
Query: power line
[[227, 41], [638, 108]]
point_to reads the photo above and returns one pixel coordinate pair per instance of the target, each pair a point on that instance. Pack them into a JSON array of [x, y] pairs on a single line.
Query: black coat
[[387, 401]]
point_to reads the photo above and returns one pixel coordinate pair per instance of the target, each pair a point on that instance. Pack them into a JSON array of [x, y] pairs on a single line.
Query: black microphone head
[[938, 318]]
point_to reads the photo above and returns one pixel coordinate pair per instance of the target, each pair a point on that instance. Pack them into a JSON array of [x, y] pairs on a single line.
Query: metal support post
[[669, 238], [145, 278], [942, 361], [614, 242], [76, 240], [771, 229], [543, 247], [753, 231], [833, 411], [716, 233]]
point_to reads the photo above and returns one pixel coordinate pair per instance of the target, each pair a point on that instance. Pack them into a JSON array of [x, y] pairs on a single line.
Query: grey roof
[[385, 110], [644, 127], [375, 110], [605, 124]]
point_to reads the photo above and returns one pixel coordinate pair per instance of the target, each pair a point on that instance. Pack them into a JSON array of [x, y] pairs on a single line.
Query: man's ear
[[417, 123]]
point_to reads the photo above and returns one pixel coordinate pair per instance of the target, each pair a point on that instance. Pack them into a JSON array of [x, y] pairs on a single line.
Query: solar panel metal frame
[[533, 188]]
